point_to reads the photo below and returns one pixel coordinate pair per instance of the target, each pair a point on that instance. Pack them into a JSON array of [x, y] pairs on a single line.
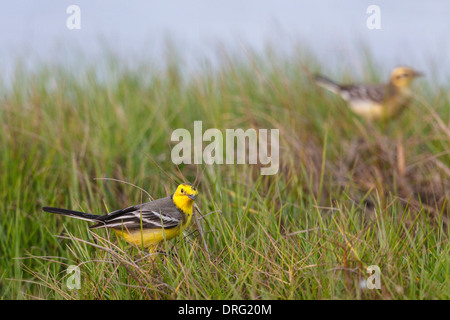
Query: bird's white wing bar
[[165, 217]]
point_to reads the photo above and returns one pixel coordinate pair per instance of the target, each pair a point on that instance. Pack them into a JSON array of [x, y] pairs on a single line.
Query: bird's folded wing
[[376, 93], [161, 213]]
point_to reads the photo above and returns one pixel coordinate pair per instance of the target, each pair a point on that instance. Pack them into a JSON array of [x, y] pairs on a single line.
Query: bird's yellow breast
[[367, 109], [148, 237], [184, 204], [389, 108]]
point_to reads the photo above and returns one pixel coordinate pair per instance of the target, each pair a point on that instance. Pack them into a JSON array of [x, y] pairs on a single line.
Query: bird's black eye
[[182, 191]]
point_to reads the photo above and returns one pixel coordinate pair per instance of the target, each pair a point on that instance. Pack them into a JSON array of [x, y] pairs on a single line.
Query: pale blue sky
[[412, 32]]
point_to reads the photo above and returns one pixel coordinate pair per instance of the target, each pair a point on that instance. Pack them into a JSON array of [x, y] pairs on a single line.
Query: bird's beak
[[418, 74], [191, 196]]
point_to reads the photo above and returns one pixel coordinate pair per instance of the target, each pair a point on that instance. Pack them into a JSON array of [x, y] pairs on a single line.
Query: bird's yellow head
[[402, 77], [184, 197]]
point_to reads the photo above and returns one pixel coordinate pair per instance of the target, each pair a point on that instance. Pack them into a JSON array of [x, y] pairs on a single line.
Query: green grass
[[346, 196]]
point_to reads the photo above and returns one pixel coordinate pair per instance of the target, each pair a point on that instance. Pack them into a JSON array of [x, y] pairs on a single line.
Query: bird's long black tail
[[327, 83], [74, 214]]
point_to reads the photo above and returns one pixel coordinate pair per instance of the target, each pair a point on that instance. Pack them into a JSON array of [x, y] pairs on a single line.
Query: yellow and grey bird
[[147, 224], [378, 101]]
